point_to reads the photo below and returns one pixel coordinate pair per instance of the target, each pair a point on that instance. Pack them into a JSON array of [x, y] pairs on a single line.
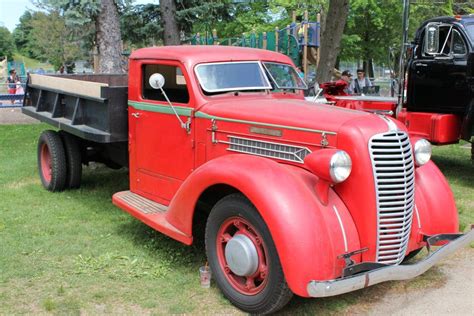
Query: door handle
[[136, 114]]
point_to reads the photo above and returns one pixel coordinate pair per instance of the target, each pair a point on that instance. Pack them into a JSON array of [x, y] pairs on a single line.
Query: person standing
[[358, 84], [11, 82]]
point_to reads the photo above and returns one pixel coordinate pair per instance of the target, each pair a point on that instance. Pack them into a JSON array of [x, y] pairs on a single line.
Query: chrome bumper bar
[[389, 273]]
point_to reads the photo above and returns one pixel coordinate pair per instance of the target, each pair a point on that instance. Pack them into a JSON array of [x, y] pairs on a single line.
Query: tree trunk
[[108, 38], [331, 38], [170, 25]]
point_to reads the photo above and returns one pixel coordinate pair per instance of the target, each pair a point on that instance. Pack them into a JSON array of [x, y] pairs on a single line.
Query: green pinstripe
[[185, 111]]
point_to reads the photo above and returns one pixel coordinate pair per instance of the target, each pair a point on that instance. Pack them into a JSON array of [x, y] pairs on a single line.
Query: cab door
[[162, 149]]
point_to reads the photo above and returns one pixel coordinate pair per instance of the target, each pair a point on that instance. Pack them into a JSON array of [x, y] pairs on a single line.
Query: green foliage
[[141, 25], [50, 39], [7, 46], [373, 26], [21, 35]]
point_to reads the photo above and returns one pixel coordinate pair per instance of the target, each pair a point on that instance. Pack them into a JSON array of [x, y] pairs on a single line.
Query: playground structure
[[299, 40]]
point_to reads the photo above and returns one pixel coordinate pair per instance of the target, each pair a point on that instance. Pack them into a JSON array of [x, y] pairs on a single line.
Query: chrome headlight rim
[[423, 151], [340, 166]]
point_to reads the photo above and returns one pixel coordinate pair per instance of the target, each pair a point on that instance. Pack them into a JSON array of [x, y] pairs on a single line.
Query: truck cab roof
[[464, 22], [196, 54]]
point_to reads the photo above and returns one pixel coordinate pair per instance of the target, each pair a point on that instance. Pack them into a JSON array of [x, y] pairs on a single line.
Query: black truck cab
[[441, 70]]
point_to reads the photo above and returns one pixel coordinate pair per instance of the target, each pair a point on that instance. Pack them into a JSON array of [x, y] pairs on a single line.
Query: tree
[[171, 34], [141, 25], [103, 16], [373, 27], [21, 35], [108, 38], [7, 47], [51, 40], [331, 38]]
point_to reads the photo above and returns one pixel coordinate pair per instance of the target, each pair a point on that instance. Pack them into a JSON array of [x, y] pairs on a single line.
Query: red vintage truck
[[301, 198]]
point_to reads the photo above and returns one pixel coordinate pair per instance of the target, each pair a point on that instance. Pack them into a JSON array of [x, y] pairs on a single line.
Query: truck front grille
[[394, 176]]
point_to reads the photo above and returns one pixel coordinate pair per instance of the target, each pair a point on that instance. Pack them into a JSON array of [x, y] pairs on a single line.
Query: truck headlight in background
[[422, 152], [340, 166]]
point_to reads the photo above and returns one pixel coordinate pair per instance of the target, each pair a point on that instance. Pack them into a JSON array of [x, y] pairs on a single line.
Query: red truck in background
[[303, 198], [439, 103]]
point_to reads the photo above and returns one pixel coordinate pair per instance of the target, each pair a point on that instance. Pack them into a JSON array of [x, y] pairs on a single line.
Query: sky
[[12, 10]]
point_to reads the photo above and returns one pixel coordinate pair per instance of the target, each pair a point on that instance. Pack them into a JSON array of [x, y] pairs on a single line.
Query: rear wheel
[[243, 257], [73, 160], [51, 161]]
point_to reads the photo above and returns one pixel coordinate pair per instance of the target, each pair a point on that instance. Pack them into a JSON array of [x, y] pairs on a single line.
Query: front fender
[[435, 210], [308, 235]]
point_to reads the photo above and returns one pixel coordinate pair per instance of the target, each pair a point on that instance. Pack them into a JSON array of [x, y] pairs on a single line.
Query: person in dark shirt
[[359, 83]]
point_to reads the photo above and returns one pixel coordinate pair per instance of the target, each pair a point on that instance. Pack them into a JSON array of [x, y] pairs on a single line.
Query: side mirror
[[431, 39], [157, 81]]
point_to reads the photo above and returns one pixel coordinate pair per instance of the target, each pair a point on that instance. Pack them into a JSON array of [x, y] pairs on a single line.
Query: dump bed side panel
[[92, 109]]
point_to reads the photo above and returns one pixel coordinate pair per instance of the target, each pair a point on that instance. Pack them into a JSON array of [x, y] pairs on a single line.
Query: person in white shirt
[[358, 84]]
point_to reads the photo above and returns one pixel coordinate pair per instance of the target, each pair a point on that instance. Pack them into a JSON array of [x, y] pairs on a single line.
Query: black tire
[[275, 293], [51, 161], [73, 160]]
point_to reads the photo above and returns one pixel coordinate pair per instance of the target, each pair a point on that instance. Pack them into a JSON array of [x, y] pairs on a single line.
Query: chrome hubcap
[[241, 255]]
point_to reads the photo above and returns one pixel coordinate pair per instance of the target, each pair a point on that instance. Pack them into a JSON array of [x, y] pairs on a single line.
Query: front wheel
[[243, 257]]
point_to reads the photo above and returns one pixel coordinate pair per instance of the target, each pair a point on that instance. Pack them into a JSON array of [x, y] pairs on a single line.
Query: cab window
[[175, 84]]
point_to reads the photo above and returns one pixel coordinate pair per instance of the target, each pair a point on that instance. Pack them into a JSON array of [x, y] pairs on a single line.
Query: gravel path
[[14, 116], [453, 297]]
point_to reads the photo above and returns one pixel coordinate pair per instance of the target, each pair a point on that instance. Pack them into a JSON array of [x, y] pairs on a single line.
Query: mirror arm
[[446, 40], [187, 125]]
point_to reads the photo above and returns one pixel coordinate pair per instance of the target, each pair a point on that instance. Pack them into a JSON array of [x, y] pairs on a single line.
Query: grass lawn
[[74, 252]]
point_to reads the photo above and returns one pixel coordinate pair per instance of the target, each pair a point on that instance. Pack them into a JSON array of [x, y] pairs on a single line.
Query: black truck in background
[[439, 101]]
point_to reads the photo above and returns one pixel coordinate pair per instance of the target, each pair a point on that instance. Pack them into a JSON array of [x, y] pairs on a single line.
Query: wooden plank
[[79, 87]]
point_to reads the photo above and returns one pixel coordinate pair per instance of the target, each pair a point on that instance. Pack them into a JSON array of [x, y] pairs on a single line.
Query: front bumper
[[388, 273]]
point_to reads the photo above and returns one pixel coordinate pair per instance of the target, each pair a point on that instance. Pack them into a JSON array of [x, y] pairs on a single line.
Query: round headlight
[[340, 166], [422, 152]]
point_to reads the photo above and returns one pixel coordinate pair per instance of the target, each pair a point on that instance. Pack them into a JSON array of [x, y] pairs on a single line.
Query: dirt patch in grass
[[23, 183]]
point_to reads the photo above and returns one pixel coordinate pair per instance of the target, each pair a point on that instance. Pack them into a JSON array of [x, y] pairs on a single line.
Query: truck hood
[[282, 113]]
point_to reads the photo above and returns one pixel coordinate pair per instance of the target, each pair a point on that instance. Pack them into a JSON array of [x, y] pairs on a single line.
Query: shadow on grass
[[104, 179]]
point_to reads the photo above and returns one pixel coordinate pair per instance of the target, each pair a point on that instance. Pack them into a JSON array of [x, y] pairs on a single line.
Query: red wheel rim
[[247, 285], [46, 163]]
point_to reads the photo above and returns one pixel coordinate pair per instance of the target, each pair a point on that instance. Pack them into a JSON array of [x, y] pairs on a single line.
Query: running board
[[149, 212]]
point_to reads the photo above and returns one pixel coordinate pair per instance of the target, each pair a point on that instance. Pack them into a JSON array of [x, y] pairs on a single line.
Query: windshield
[[285, 76], [470, 31], [232, 76]]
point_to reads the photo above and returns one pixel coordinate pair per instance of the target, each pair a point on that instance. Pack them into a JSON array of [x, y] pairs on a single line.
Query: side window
[[459, 47], [445, 41], [175, 84]]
